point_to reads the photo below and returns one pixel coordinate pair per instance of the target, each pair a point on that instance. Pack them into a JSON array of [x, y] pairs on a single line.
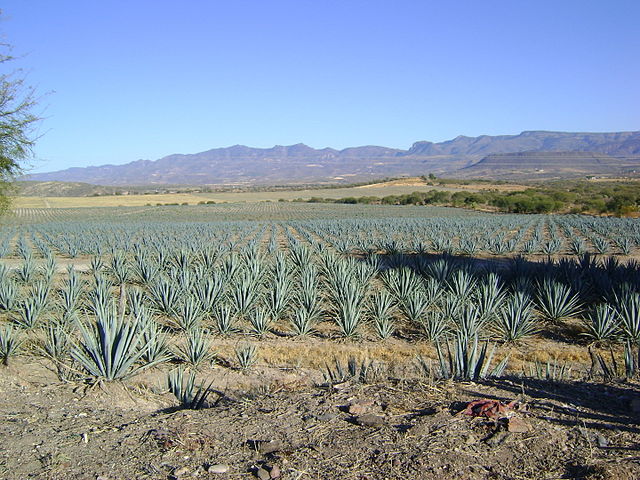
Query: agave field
[[183, 305], [105, 293]]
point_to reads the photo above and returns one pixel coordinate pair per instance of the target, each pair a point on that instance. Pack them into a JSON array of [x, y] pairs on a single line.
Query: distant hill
[[62, 189], [300, 163], [529, 165]]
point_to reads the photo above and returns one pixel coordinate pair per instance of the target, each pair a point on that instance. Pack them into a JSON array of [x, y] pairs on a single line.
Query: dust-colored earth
[[286, 424]]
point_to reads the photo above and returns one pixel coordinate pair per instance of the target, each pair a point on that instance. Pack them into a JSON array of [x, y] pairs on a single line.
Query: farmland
[[396, 187], [254, 312]]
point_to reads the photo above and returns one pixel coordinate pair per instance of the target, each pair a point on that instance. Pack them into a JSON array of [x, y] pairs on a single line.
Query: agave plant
[[462, 285], [49, 269], [348, 311], [441, 270], [110, 348], [602, 323], [466, 362], [467, 321], [381, 312], [516, 320], [247, 356], [434, 326], [197, 349], [29, 313], [627, 306], [188, 314], [145, 269], [601, 245], [136, 302], [26, 270], [120, 268], [489, 296], [354, 371], [96, 266], [10, 342], [415, 305], [155, 343], [469, 246], [244, 294], [185, 390], [209, 292], [530, 246], [260, 321], [555, 301], [57, 348], [551, 247], [8, 295], [302, 321], [164, 294], [577, 246], [224, 320], [625, 245], [70, 293], [401, 282]]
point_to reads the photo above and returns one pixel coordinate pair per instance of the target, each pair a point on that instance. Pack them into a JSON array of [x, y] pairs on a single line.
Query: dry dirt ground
[[285, 425]]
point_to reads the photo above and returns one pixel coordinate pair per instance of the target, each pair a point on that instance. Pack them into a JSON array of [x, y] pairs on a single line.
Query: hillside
[[300, 163], [547, 164]]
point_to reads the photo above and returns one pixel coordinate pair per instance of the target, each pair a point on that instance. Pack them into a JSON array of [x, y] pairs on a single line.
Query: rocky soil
[[298, 430]]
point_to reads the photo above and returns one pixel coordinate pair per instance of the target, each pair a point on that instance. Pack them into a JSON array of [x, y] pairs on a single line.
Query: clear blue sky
[[143, 79]]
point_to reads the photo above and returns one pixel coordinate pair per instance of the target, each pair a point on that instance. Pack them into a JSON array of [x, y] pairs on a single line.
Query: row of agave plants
[[469, 235], [150, 305]]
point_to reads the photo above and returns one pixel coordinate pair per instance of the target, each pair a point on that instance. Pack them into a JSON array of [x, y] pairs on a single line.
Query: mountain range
[[530, 153]]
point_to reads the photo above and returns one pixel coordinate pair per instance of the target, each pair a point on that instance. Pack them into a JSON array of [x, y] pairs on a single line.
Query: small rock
[[178, 472], [218, 468], [275, 472], [262, 474], [269, 447], [326, 417], [362, 407], [370, 420], [518, 425]]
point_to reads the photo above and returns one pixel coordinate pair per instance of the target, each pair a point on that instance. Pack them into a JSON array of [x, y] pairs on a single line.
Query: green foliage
[[247, 356], [569, 196], [17, 125], [10, 342], [110, 347]]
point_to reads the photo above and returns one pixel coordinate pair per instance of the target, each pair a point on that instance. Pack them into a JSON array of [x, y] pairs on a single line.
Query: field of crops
[[175, 278], [193, 303]]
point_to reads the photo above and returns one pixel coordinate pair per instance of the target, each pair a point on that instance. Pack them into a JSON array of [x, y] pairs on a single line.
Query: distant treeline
[[580, 197]]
